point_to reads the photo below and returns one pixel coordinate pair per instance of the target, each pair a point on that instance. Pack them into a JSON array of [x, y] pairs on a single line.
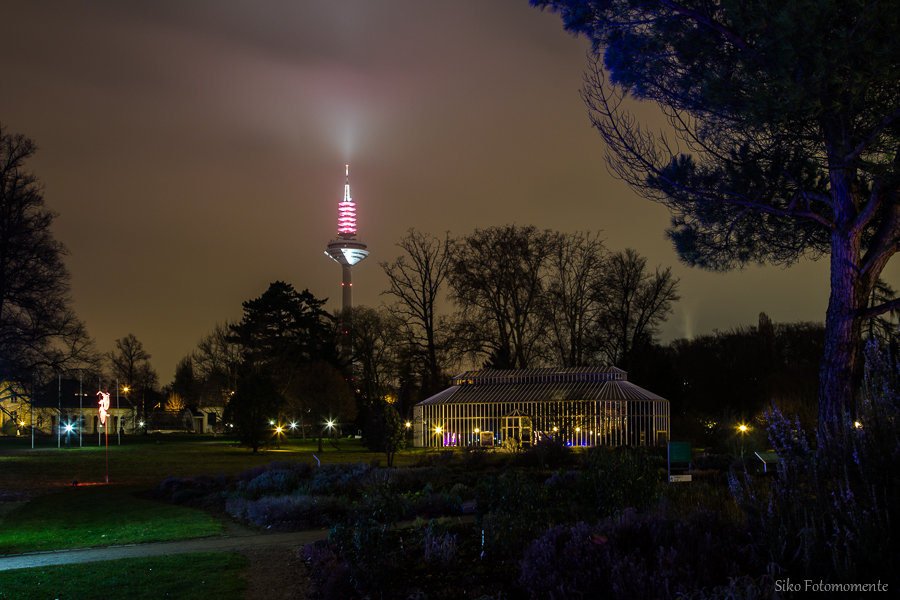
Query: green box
[[679, 452]]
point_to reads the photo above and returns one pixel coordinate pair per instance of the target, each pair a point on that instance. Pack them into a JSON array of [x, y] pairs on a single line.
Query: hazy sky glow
[[195, 151]]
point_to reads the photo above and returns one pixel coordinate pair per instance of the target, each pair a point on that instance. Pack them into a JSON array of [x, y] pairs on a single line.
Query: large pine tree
[[789, 140]]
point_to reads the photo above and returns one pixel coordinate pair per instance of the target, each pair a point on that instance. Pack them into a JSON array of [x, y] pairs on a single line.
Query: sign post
[[679, 461]]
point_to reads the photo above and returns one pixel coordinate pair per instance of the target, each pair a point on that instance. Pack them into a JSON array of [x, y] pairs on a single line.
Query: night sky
[[195, 152]]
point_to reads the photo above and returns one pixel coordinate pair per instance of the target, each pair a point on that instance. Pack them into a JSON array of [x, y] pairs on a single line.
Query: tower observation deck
[[345, 249]]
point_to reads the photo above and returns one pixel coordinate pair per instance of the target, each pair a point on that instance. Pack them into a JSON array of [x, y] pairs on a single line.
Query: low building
[[59, 405], [585, 406], [71, 406]]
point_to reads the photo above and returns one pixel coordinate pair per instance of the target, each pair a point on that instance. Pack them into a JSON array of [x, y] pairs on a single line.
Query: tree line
[[502, 297]]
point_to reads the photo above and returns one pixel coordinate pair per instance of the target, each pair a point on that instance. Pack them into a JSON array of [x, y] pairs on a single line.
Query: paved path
[[218, 544], [214, 544]]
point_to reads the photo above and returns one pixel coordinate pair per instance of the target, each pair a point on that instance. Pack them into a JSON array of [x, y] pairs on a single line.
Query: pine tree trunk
[[841, 360]]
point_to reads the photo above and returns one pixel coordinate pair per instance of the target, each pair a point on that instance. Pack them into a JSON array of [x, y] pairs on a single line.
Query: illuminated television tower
[[345, 249]]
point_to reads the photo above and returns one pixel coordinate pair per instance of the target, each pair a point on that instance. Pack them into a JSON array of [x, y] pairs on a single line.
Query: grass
[[207, 576], [140, 459], [51, 514], [84, 517]]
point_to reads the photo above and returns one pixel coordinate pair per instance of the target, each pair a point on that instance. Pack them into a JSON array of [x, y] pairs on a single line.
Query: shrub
[[713, 462], [613, 480], [547, 453], [336, 478], [384, 505], [360, 545], [270, 482], [289, 513], [634, 557], [439, 547], [511, 510], [430, 505], [330, 571], [237, 507], [832, 513]]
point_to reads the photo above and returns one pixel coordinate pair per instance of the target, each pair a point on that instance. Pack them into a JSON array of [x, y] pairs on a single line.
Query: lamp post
[[68, 432], [104, 414], [743, 429]]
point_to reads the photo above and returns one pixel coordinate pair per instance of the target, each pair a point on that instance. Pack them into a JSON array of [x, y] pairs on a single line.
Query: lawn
[[150, 459], [101, 515], [59, 515], [208, 576]]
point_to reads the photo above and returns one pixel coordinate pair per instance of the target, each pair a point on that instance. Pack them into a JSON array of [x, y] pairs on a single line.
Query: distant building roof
[[72, 394], [541, 385]]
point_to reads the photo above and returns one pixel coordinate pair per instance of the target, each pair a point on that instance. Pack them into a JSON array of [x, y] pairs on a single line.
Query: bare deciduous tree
[[575, 271], [634, 303], [39, 332], [416, 280], [499, 282]]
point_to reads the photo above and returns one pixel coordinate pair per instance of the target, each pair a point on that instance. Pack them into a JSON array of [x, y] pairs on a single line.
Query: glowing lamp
[[408, 424], [437, 429], [743, 428]]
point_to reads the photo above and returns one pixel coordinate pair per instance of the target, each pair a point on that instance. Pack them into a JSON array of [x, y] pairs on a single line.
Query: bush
[[634, 557], [713, 462], [511, 510], [289, 513], [613, 480], [434, 505], [237, 507], [270, 482], [330, 571], [833, 514], [548, 453], [336, 479], [439, 547]]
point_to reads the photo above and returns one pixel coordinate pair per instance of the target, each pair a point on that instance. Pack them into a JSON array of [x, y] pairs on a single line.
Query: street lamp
[[68, 431], [743, 429]]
